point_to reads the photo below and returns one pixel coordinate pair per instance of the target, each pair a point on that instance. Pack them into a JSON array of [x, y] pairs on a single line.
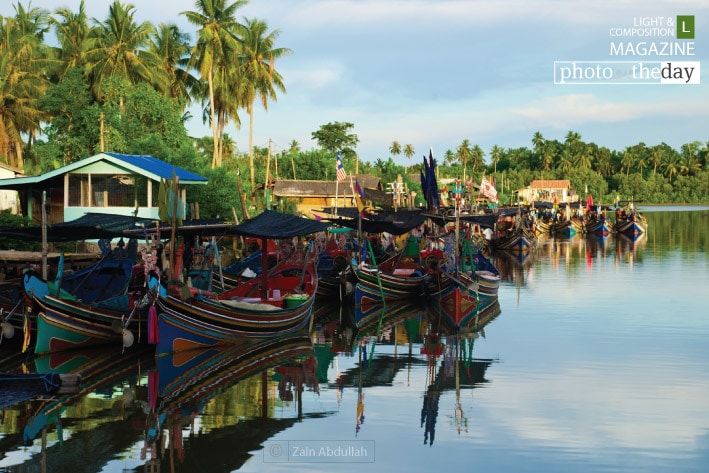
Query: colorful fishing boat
[[89, 307], [109, 277], [336, 281], [65, 323], [631, 224], [519, 240], [448, 318], [567, 228], [401, 277], [483, 270], [544, 226], [244, 311], [278, 302], [598, 226]]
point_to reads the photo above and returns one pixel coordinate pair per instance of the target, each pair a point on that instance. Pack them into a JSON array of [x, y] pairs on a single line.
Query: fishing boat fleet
[[146, 290], [165, 285]]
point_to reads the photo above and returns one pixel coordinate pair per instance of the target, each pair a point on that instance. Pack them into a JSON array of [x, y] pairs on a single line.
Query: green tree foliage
[[136, 79], [337, 136], [220, 196], [7, 219], [74, 131]]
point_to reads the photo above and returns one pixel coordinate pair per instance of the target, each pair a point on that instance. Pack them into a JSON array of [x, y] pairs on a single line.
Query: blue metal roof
[[148, 166], [159, 168]]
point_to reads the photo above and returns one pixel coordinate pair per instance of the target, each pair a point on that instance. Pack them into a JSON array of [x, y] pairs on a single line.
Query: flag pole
[[337, 191]]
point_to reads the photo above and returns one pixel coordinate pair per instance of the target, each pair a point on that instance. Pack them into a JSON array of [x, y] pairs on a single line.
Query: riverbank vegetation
[[126, 86]]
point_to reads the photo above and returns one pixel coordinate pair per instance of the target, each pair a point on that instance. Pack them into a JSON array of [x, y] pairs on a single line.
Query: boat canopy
[[394, 222]]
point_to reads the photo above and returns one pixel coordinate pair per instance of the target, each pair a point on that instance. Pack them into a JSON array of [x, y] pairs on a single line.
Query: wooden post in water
[[264, 394], [173, 233], [45, 249]]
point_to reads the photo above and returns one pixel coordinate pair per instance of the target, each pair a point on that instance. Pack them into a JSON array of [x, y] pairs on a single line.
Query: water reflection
[[53, 433], [583, 383], [184, 386], [451, 366], [173, 410]]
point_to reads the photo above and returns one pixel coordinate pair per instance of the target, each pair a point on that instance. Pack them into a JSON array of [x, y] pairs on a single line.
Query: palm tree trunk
[[215, 134], [18, 152], [220, 148], [251, 143]]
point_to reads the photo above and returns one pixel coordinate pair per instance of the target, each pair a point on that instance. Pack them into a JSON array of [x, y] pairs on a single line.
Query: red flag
[[488, 190]]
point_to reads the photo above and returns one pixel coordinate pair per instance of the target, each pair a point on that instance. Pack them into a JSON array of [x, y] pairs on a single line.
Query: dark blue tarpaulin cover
[[272, 224]]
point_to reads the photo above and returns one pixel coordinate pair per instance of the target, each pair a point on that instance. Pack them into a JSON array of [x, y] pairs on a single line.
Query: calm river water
[[597, 362]]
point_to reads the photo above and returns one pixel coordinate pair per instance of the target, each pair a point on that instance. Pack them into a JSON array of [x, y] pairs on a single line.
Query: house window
[[78, 190], [107, 190]]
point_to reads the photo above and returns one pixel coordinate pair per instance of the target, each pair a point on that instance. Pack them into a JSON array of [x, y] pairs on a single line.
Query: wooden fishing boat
[[65, 323], [385, 275], [448, 318], [568, 228], [631, 224], [88, 307], [458, 296], [520, 240], [543, 226], [600, 227], [245, 311], [109, 277], [484, 273], [280, 301], [401, 277], [336, 281]]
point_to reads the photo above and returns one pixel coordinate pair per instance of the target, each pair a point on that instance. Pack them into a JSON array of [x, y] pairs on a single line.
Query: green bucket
[[294, 300]]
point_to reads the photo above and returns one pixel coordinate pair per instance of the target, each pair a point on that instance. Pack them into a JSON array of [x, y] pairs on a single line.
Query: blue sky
[[432, 73]]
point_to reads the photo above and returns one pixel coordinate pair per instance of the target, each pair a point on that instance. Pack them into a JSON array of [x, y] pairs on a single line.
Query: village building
[[309, 195], [549, 190], [8, 198], [111, 183]]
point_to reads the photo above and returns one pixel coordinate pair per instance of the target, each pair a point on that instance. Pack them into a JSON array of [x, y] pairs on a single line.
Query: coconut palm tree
[[496, 154], [23, 60], [603, 161], [395, 148], [463, 154], [408, 151], [231, 91], [627, 161], [477, 156], [656, 159], [217, 46], [171, 46], [690, 161], [72, 30], [258, 65], [117, 46], [672, 166], [448, 157], [538, 141]]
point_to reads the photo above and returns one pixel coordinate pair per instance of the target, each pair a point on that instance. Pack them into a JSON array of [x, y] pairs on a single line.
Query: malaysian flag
[[341, 174]]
